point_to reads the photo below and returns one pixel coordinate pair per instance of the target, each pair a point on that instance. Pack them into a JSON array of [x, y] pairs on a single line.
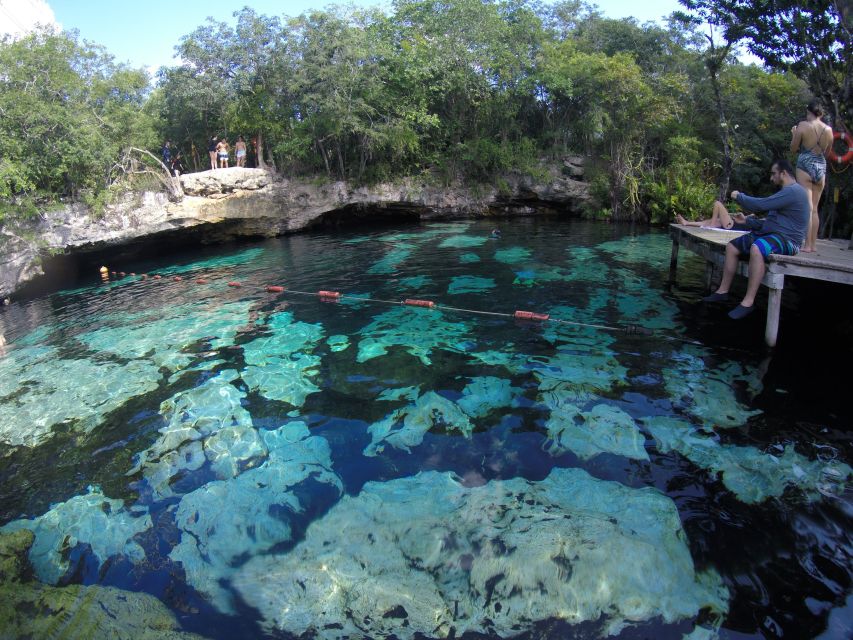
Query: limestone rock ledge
[[225, 204]]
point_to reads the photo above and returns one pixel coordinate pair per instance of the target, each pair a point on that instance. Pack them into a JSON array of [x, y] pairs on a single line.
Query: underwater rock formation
[[279, 366], [105, 524], [751, 474], [205, 423], [427, 555], [406, 427], [74, 611], [707, 392], [225, 520], [161, 334], [603, 429], [419, 331], [40, 390]]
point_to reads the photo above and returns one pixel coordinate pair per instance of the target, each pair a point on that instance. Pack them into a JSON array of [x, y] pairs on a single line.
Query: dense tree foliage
[[449, 91], [66, 112]]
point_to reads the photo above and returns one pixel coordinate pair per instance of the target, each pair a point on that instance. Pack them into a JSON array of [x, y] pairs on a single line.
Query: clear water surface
[[276, 465]]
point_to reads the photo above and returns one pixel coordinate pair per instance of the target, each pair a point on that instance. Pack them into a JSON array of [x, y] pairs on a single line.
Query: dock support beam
[[775, 283]]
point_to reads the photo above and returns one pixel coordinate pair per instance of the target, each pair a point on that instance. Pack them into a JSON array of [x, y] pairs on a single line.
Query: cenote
[[273, 465]]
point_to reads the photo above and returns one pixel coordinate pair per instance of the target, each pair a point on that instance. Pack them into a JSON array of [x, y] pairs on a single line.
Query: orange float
[[847, 158], [413, 302]]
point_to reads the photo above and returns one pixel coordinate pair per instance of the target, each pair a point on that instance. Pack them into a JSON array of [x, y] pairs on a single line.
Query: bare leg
[[814, 191], [756, 275], [729, 268], [720, 217], [814, 218]]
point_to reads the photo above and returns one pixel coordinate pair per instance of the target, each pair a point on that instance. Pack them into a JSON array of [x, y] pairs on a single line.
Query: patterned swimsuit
[[812, 161]]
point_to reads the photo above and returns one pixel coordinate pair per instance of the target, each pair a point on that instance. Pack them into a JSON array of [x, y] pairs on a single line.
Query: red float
[[419, 303], [530, 315]]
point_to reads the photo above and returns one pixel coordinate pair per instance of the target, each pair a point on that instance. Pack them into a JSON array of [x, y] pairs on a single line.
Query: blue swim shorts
[[767, 244]]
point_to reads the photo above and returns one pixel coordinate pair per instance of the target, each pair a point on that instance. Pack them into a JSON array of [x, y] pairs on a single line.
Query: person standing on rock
[[222, 152], [211, 150], [240, 150]]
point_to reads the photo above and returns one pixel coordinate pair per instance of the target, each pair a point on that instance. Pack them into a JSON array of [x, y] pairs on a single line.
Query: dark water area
[[278, 465]]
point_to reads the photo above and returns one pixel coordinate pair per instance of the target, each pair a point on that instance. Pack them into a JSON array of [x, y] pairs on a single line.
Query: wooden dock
[[832, 262]]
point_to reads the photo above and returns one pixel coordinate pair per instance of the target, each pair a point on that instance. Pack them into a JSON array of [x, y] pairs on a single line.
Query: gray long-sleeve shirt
[[789, 210]]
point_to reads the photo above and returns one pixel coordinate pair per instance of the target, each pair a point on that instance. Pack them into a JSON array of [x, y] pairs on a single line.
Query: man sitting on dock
[[781, 232]]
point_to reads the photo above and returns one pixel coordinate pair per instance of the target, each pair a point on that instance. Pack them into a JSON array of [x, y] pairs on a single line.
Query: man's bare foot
[[807, 250], [679, 219]]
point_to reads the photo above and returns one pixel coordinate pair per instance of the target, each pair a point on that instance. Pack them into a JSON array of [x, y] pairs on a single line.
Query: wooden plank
[[832, 262]]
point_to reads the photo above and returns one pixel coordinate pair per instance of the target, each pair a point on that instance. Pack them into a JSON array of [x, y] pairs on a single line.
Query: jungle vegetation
[[450, 91]]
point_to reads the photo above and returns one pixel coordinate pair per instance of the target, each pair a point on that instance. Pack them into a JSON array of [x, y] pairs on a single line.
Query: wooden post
[[774, 306], [775, 283], [673, 261]]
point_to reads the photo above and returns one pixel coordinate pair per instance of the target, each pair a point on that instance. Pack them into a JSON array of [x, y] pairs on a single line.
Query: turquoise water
[[275, 465]]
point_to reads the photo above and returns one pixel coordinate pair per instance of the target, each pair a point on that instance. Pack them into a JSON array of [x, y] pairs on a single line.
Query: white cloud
[[19, 17]]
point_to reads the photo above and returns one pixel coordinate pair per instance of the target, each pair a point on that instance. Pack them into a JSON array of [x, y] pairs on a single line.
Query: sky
[[145, 32]]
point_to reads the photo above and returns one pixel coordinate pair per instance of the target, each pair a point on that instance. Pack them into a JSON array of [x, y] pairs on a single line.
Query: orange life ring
[[847, 158]]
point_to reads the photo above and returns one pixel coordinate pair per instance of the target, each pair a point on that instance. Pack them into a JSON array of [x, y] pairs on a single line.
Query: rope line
[[329, 296]]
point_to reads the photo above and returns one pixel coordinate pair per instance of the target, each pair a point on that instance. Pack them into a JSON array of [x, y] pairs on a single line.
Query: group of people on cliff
[[220, 152], [792, 220]]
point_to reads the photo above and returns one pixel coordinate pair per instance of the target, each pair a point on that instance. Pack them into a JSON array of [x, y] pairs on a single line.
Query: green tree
[[66, 113]]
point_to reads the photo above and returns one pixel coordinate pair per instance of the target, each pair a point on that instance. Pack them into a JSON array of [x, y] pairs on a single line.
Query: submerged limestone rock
[[603, 429], [39, 390], [418, 331], [406, 427], [707, 392], [751, 474], [106, 525], [279, 366], [204, 424], [161, 334], [227, 520], [29, 609], [427, 555]]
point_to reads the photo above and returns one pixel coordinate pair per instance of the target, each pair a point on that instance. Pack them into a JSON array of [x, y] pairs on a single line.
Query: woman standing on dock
[[811, 139]]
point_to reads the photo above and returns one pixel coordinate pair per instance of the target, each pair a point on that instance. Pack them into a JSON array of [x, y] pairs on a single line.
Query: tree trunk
[[325, 157], [341, 166], [725, 137], [259, 150]]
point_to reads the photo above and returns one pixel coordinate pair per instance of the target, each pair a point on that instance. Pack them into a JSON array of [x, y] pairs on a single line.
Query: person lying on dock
[[782, 232], [722, 219]]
